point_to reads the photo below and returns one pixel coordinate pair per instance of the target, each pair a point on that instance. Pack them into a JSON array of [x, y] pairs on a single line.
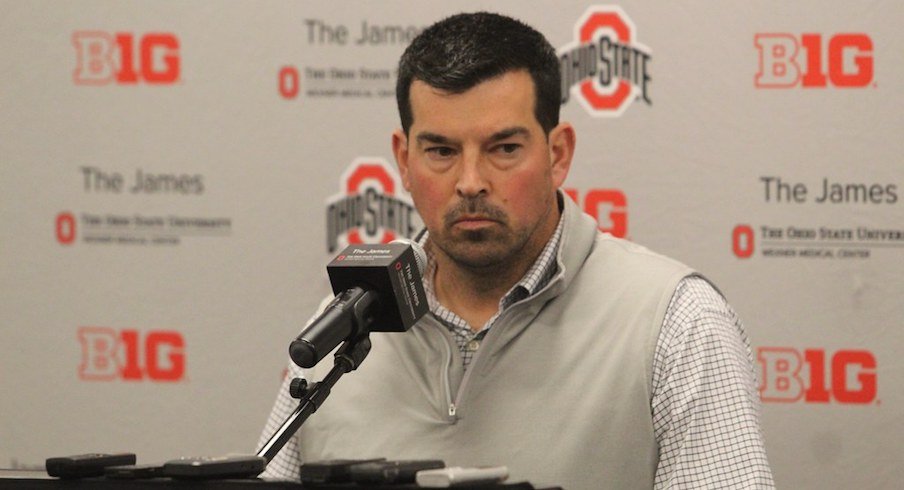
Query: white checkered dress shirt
[[705, 405]]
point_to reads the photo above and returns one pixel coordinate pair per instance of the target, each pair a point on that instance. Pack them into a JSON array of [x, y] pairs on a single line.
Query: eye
[[507, 150], [440, 152], [509, 147]]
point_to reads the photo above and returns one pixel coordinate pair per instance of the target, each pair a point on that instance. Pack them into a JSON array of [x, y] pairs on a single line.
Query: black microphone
[[378, 288]]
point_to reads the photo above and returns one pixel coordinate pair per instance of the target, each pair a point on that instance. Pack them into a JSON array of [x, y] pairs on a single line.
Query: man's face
[[481, 171]]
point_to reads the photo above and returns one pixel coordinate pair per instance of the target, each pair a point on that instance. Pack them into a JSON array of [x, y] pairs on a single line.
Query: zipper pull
[[451, 409]]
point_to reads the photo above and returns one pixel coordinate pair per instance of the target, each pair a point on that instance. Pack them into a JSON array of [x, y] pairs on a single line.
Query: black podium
[[39, 480]]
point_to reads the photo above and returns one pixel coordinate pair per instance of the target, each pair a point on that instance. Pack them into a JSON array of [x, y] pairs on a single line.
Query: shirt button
[[473, 345]]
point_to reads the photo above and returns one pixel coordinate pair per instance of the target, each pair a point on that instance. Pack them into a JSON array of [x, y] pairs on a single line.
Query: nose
[[471, 180]]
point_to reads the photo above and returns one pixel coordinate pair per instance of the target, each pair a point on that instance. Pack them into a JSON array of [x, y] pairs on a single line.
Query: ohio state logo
[[742, 241], [65, 228], [605, 68], [125, 59], [370, 208]]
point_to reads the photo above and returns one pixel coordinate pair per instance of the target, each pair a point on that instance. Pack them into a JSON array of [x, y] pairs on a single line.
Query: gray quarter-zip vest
[[559, 391]]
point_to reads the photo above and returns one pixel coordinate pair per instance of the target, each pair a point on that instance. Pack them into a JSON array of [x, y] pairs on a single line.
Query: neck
[[473, 295], [476, 285]]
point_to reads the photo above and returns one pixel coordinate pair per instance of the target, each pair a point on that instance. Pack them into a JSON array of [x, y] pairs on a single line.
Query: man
[[569, 356]]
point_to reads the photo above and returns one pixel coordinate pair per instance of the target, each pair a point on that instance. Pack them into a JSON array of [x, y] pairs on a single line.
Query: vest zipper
[[452, 403], [480, 352], [447, 383]]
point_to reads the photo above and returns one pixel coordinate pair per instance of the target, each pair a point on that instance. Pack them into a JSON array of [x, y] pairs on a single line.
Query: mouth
[[473, 222]]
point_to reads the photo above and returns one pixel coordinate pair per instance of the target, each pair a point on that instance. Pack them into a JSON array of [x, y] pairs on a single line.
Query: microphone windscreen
[[392, 271]]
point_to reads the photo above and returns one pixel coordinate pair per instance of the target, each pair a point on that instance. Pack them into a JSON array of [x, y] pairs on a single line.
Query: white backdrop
[[152, 312]]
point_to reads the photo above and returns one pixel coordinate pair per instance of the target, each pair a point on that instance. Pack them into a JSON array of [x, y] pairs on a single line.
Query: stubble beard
[[487, 251]]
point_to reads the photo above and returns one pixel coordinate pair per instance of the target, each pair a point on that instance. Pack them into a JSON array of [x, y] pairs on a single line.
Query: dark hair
[[461, 51]]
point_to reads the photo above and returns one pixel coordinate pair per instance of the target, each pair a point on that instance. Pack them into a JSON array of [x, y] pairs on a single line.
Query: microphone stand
[[349, 356]]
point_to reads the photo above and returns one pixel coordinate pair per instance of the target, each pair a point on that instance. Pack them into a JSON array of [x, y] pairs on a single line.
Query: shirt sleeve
[[705, 401], [287, 463]]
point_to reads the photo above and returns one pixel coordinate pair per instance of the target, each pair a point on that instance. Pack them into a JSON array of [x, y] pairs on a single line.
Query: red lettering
[[778, 67], [863, 45], [103, 58], [288, 82], [616, 22], [573, 194], [780, 379], [131, 370], [94, 58], [168, 346], [126, 72], [108, 355], [99, 346], [813, 46], [167, 45], [616, 220], [853, 376], [607, 206], [866, 376], [355, 182], [817, 392], [65, 228], [742, 241]]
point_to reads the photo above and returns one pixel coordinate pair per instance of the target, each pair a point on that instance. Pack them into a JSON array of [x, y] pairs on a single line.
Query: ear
[[400, 150], [561, 150]]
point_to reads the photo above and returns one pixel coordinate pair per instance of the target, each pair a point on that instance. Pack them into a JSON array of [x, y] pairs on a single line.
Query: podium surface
[[26, 479]]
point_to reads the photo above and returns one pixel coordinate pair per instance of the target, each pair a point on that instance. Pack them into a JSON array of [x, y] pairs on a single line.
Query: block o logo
[[65, 228], [371, 208], [742, 241], [289, 84], [605, 65]]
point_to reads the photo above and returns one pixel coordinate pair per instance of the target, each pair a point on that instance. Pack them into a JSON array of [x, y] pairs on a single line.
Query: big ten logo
[[742, 243], [65, 228], [125, 58], [372, 206], [604, 66], [608, 206], [847, 376], [108, 354], [845, 60]]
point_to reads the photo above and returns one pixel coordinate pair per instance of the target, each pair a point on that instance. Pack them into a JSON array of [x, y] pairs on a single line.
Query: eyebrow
[[438, 139], [509, 132]]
